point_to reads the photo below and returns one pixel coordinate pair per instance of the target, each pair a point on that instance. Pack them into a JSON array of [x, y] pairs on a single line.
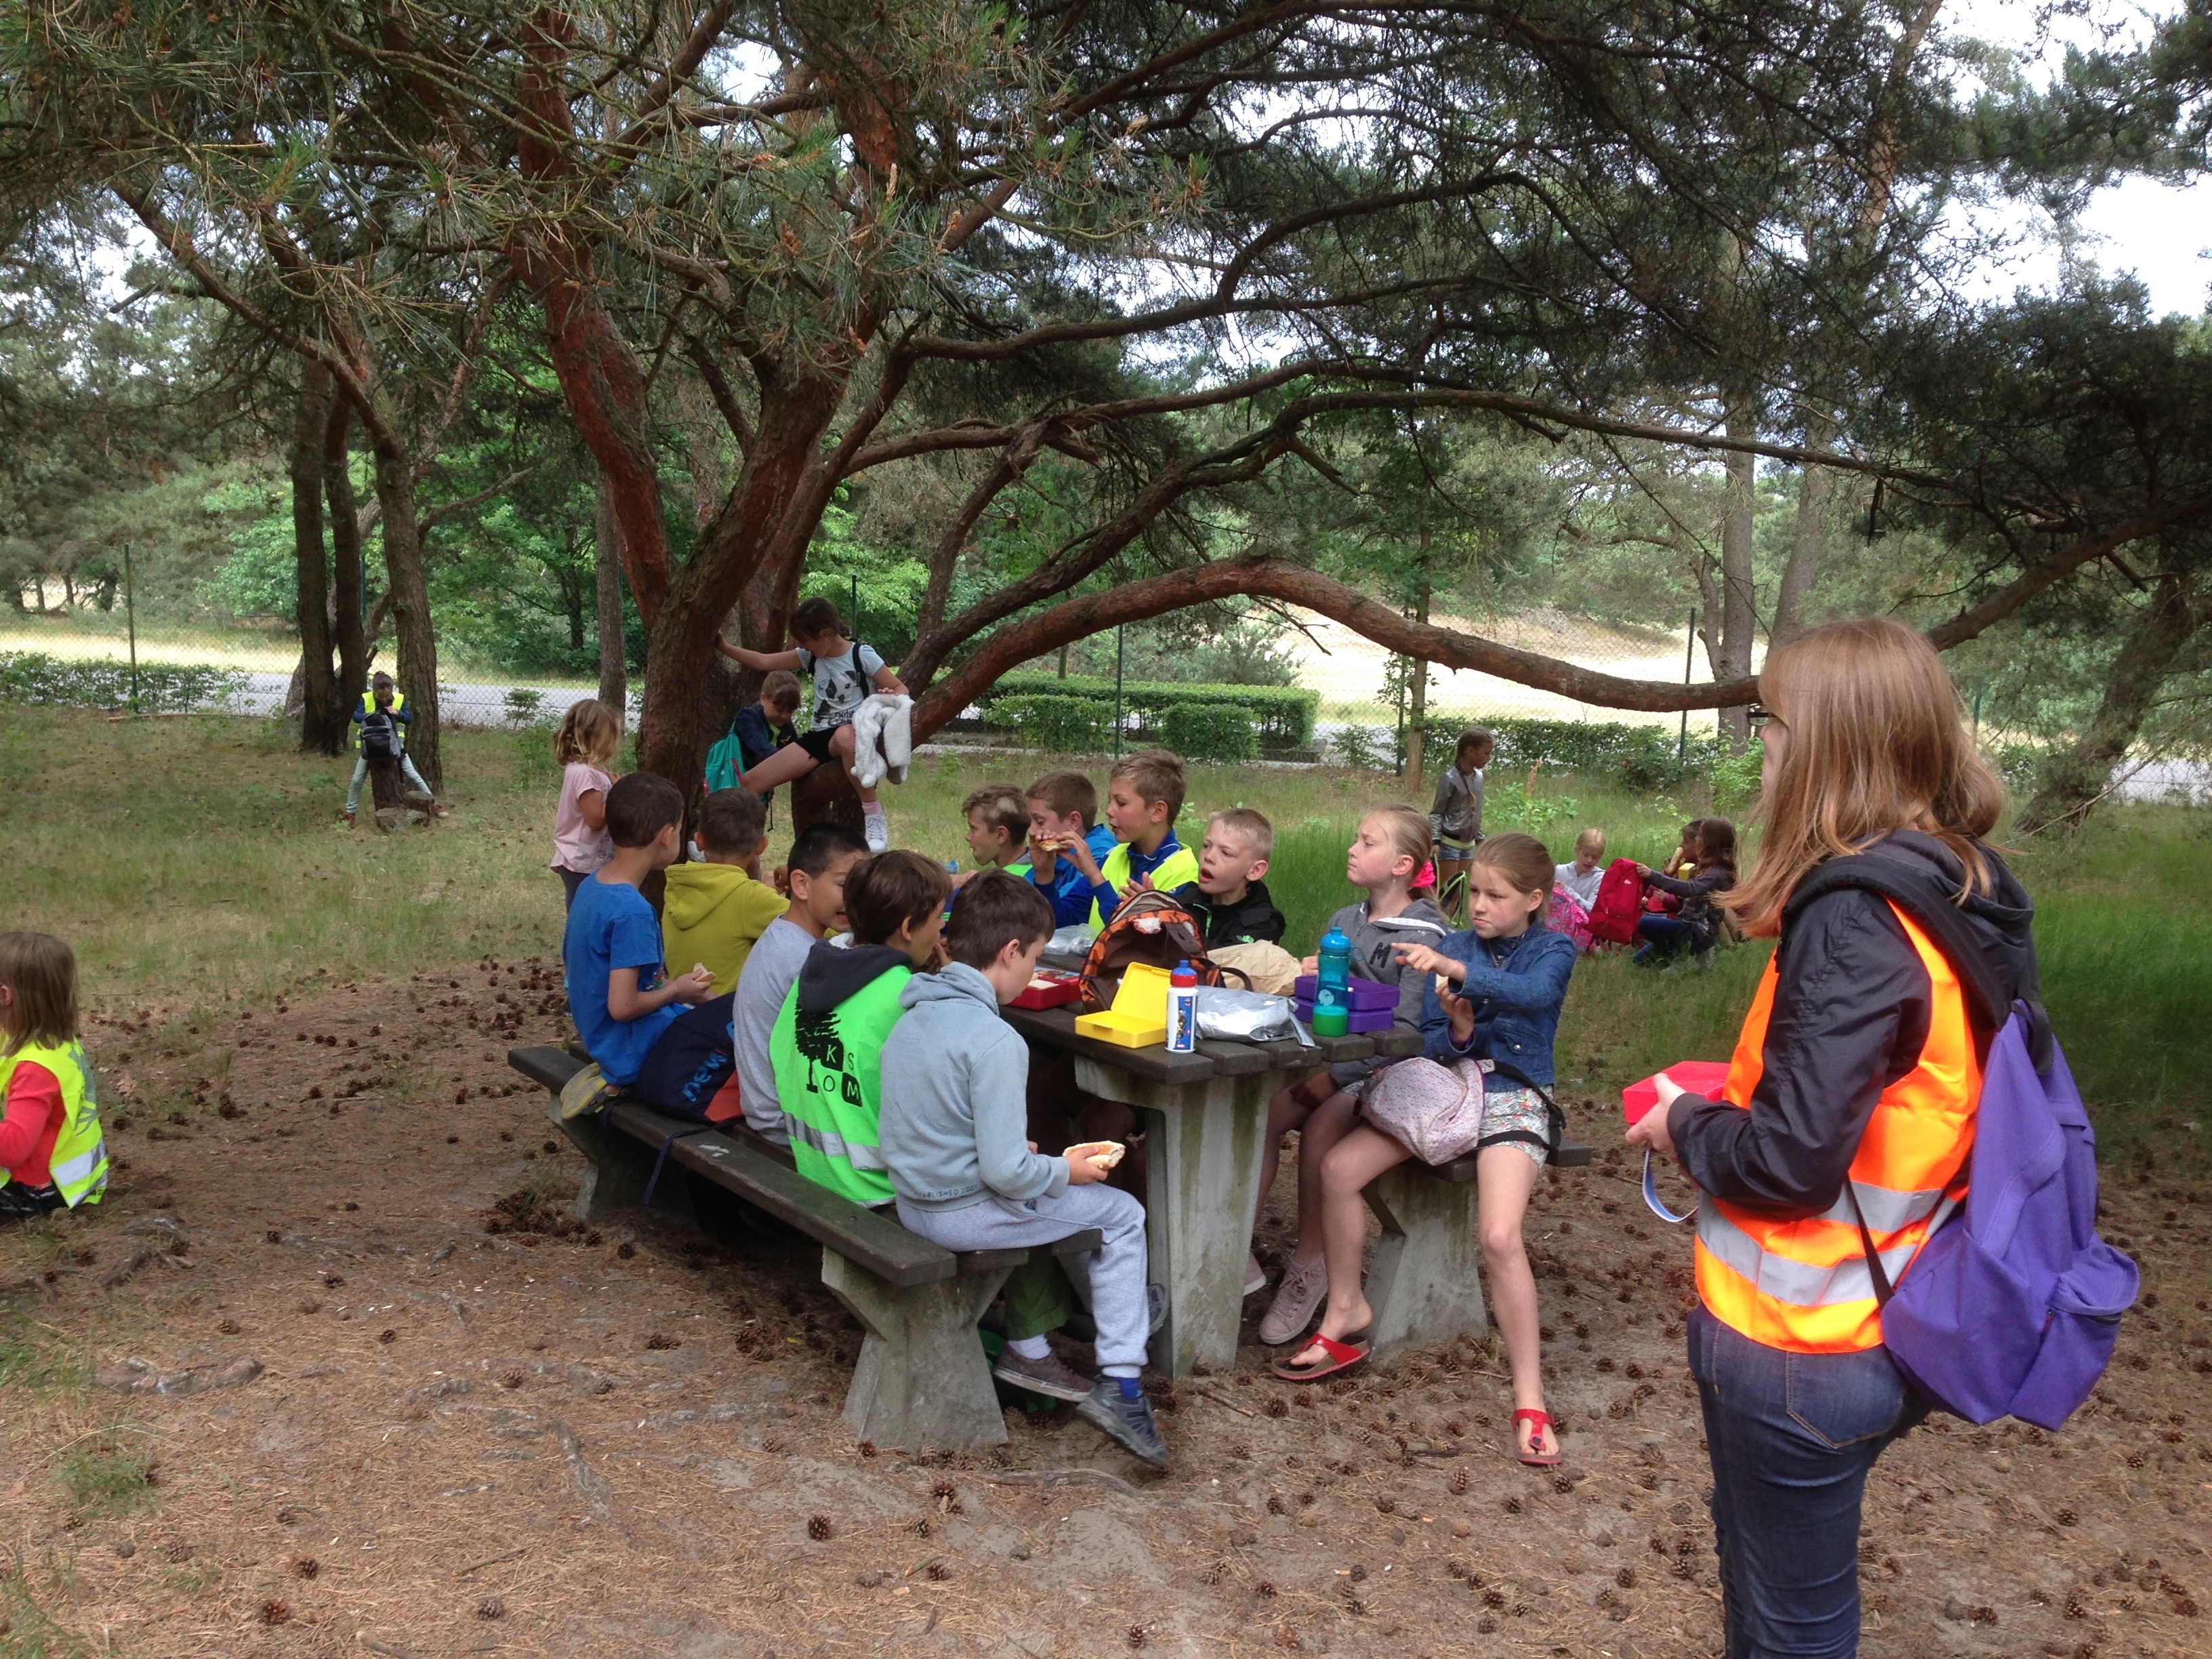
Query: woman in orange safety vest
[[1846, 1124]]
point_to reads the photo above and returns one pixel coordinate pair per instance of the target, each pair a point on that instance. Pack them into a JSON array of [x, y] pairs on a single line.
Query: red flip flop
[[1342, 1357], [1542, 1421]]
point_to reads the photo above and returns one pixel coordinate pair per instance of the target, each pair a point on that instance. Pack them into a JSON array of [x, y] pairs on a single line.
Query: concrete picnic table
[[1205, 1117]]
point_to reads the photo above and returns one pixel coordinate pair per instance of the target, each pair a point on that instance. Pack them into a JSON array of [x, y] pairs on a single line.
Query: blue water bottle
[[1331, 1014]]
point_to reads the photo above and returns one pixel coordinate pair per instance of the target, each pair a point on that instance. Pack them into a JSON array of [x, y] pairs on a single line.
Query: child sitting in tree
[[713, 911], [667, 1040], [954, 1137], [845, 671], [52, 1154], [1228, 899], [827, 1047]]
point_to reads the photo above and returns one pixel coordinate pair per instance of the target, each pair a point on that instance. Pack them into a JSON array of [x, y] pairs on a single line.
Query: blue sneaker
[[1129, 1421]]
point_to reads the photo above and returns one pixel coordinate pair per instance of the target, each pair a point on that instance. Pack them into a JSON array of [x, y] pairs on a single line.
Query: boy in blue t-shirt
[[632, 1017]]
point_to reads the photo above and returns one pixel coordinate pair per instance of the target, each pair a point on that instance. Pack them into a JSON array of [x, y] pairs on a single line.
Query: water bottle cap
[[1184, 974]]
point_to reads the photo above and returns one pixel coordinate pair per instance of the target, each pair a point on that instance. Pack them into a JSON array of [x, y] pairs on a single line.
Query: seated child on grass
[[998, 816], [665, 1040], [50, 1150], [827, 1047], [713, 912], [1144, 792], [1063, 810], [845, 671], [1228, 899], [821, 858], [955, 1138]]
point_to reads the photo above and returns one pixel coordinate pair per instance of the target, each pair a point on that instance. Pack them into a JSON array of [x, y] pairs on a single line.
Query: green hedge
[[1066, 725], [1639, 755], [105, 682], [1278, 714], [1219, 732]]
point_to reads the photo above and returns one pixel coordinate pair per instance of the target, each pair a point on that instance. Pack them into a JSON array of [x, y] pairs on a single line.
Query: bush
[[1281, 714], [1736, 777], [1066, 725], [104, 683], [1366, 747], [1218, 731], [1641, 756]]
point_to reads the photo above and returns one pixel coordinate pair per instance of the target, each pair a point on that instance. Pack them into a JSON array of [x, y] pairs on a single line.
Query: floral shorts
[[1518, 1109]]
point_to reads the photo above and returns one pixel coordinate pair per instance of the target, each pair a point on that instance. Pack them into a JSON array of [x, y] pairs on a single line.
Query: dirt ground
[[466, 1439]]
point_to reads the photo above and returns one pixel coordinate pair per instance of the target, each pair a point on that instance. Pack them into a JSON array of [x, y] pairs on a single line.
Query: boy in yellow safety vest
[[51, 1151], [1144, 794]]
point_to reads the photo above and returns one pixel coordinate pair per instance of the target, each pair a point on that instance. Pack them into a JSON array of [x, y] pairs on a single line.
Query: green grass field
[[197, 860]]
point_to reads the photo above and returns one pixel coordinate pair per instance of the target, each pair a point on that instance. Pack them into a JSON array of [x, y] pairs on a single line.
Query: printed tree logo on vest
[[815, 1036]]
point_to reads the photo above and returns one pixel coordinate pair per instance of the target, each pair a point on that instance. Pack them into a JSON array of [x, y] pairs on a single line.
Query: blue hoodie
[[954, 1126], [1517, 986]]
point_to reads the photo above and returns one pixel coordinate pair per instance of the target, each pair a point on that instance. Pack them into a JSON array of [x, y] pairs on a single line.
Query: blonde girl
[[585, 745], [1388, 857], [50, 1140]]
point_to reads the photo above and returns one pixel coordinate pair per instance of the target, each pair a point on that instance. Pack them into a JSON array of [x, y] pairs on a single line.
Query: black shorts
[[816, 742]]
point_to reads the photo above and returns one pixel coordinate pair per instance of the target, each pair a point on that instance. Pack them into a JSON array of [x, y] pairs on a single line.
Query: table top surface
[[1056, 1028]]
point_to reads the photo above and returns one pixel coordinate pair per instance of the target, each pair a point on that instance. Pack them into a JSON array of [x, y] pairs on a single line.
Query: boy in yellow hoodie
[[713, 912]]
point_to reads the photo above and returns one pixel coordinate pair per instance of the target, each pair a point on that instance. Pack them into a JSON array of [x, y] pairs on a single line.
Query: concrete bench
[[922, 1378]]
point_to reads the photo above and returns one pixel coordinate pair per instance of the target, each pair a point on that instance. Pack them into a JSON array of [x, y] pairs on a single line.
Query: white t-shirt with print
[[842, 683]]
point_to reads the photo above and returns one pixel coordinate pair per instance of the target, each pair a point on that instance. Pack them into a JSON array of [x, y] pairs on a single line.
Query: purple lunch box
[[1362, 1019], [1365, 994]]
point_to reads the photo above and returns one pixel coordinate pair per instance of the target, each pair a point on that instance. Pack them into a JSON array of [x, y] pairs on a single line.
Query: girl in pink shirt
[[585, 745]]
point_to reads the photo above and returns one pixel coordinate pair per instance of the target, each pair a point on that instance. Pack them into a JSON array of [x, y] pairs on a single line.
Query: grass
[[100, 1475], [25, 1631], [199, 860]]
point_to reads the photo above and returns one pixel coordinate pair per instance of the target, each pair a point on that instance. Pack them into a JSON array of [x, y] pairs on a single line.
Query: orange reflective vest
[[1804, 1286]]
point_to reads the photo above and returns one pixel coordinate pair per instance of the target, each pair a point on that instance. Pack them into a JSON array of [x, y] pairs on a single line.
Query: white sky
[[2160, 231]]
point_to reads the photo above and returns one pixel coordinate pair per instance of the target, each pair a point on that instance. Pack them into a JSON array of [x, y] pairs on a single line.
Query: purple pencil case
[[1365, 992], [1362, 1019]]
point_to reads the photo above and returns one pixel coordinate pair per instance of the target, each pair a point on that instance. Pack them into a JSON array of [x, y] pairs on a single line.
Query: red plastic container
[[1048, 988], [1697, 1077]]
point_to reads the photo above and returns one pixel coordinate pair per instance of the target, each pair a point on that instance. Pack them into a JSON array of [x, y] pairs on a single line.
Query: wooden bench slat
[[552, 1068], [1569, 1155]]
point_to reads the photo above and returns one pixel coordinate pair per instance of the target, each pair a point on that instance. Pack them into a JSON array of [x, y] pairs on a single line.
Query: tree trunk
[[2070, 780], [1807, 539], [417, 667], [1739, 614], [348, 623], [322, 703], [614, 669]]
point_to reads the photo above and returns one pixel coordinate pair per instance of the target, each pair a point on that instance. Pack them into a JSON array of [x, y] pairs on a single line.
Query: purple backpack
[[2013, 1306]]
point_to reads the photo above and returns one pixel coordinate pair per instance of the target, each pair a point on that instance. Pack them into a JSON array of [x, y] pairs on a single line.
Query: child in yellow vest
[[51, 1151], [1144, 794]]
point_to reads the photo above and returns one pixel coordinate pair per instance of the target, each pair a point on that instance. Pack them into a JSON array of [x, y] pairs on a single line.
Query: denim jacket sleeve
[[1543, 985]]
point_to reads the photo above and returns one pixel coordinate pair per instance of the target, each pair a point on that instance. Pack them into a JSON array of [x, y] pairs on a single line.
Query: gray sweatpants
[[1115, 1270]]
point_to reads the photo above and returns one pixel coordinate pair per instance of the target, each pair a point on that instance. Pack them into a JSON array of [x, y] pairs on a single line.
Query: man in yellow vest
[[51, 1151], [380, 721]]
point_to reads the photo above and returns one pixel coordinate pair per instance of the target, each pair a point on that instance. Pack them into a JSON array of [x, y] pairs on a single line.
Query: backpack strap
[[1883, 1290], [1556, 1118], [1990, 999]]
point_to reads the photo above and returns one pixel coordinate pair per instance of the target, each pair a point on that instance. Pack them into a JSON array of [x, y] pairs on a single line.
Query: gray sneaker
[[1129, 1421], [1051, 1375]]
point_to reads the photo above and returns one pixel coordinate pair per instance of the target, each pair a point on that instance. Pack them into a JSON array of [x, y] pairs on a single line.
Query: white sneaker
[[877, 829]]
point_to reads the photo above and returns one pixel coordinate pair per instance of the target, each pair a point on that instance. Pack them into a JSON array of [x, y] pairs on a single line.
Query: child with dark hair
[[1692, 930], [845, 671], [713, 911], [382, 718], [955, 1141], [821, 858], [631, 1016], [827, 1046]]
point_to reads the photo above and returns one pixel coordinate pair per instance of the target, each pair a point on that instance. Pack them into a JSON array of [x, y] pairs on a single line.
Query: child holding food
[[953, 1134]]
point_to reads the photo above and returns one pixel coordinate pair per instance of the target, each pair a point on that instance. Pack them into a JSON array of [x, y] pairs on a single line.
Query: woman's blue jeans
[[1792, 1438]]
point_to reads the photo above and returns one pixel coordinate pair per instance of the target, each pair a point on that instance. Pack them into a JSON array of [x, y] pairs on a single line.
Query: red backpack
[[1620, 902]]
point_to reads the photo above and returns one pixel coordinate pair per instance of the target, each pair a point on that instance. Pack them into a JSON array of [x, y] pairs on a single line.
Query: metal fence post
[[1689, 658], [1117, 694], [856, 611], [131, 620]]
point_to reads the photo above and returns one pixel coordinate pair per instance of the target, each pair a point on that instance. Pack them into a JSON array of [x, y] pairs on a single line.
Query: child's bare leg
[[1363, 1153], [1287, 1109], [1504, 1176], [1330, 1122], [787, 765], [841, 745]]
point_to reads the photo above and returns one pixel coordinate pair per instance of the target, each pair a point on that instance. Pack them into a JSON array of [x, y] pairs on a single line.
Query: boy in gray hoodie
[[954, 1136]]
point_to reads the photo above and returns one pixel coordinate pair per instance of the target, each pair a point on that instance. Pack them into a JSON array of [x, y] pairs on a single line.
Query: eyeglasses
[[1757, 716]]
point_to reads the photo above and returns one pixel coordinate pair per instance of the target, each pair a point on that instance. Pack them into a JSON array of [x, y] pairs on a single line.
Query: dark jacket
[[1696, 893], [1850, 1013], [757, 739], [1517, 986], [1253, 920]]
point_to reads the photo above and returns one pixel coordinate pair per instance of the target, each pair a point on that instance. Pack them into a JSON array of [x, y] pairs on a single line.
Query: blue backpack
[[2013, 1307]]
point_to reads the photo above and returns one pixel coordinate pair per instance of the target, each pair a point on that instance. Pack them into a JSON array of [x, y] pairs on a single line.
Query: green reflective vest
[[1180, 866], [829, 1081], [79, 1159], [367, 703]]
